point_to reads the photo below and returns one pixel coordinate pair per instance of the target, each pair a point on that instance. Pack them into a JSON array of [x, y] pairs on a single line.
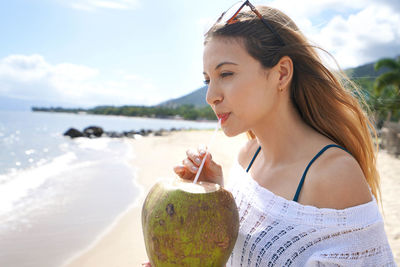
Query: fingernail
[[194, 168], [197, 160]]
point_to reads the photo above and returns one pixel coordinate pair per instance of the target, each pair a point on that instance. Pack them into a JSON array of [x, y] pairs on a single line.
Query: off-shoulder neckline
[[266, 200]]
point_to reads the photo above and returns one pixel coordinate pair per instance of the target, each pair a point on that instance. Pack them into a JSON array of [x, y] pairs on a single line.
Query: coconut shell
[[186, 224]]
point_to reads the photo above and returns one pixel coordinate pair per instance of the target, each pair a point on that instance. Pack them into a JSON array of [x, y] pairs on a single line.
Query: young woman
[[306, 183]]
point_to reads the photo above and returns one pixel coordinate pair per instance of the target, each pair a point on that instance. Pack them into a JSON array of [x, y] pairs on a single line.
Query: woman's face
[[241, 92]]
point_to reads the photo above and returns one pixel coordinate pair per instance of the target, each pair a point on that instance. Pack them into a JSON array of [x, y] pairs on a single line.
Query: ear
[[285, 70]]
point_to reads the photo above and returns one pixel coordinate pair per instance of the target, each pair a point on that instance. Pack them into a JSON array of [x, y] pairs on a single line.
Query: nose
[[214, 96]]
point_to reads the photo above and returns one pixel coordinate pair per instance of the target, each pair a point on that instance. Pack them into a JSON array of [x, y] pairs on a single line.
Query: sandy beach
[[122, 243]]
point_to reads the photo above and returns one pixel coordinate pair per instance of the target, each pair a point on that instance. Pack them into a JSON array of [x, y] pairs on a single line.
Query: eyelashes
[[222, 75]]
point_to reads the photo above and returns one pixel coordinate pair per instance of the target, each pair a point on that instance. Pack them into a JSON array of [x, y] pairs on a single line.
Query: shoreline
[[50, 211], [131, 208], [107, 230], [125, 116], [122, 244]]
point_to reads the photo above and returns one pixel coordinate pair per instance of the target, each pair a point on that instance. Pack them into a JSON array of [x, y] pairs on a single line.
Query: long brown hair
[[325, 100]]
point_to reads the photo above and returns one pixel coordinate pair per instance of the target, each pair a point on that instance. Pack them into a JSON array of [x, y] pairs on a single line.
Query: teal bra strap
[[254, 157], [296, 196]]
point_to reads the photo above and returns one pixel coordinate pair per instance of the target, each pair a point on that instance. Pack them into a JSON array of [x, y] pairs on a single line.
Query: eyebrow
[[223, 63]]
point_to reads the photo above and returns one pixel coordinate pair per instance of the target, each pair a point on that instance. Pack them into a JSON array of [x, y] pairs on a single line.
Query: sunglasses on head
[[233, 19]]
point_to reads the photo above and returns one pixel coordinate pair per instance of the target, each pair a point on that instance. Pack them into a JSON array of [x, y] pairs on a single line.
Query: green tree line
[[187, 112]]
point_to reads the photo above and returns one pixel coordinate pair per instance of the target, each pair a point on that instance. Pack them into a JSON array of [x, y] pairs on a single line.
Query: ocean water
[[57, 194]]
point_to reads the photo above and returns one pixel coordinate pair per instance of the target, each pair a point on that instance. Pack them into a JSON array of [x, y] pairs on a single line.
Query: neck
[[287, 138]]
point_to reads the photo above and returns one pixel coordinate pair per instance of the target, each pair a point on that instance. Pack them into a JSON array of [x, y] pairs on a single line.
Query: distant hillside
[[365, 71], [196, 98]]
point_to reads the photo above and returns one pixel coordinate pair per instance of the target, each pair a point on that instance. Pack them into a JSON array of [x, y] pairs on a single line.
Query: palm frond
[[389, 63], [387, 79]]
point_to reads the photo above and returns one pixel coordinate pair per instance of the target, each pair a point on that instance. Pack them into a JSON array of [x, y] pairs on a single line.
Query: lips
[[223, 117]]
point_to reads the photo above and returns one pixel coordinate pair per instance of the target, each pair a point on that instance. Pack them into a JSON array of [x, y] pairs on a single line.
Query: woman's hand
[[212, 172]]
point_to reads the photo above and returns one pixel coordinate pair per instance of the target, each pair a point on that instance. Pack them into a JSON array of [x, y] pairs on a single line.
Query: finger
[[202, 149], [194, 156], [190, 165], [211, 163], [180, 170], [183, 173]]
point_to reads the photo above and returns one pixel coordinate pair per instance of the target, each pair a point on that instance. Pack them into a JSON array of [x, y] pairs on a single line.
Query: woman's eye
[[225, 74]]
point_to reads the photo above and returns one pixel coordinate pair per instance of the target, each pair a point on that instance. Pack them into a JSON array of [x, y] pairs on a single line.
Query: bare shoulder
[[336, 181], [247, 152]]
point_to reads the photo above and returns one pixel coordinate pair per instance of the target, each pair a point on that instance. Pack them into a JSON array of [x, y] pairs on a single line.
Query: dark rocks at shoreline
[[93, 131], [73, 133], [96, 132]]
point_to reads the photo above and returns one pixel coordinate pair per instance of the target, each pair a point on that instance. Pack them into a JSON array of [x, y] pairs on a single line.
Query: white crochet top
[[277, 232]]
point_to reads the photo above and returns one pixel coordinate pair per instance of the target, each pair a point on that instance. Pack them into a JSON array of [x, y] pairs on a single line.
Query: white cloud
[[308, 8], [31, 77], [131, 77], [90, 5], [24, 68], [354, 32], [363, 37]]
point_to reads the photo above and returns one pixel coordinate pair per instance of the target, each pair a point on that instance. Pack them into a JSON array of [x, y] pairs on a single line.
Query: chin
[[230, 132]]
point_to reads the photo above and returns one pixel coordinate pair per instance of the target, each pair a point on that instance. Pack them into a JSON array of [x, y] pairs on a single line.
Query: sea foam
[[68, 200]]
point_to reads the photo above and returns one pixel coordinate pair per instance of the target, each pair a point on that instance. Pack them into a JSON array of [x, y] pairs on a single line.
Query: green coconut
[[187, 224]]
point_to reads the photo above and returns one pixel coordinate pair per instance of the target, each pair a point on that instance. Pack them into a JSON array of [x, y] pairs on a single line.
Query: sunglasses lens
[[231, 12], [228, 14]]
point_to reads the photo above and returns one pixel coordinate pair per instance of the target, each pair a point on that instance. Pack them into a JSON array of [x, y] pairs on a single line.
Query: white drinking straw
[[207, 148]]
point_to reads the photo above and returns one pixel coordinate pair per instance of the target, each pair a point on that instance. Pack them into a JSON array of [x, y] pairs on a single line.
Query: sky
[[84, 53]]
